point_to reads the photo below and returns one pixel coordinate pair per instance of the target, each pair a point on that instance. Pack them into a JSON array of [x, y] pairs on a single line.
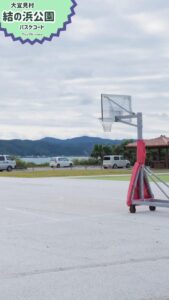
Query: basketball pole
[[139, 126]]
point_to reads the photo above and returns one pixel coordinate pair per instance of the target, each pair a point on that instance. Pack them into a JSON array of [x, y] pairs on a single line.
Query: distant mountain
[[79, 146]]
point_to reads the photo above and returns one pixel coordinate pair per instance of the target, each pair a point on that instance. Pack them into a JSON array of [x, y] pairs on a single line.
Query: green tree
[[99, 151], [121, 148]]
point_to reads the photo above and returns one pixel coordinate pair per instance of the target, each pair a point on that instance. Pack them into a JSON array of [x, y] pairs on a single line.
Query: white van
[[60, 162], [115, 161], [7, 163]]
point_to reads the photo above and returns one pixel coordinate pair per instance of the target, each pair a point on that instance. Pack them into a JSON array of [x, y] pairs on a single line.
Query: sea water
[[44, 160]]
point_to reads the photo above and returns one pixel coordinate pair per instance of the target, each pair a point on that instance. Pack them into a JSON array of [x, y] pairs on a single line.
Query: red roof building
[[160, 153]]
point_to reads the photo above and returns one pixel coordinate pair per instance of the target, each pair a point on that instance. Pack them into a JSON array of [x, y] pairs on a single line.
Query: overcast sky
[[112, 46]]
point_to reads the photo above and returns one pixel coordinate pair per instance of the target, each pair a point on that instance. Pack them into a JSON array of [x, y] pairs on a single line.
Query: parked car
[[115, 161], [60, 162], [7, 163]]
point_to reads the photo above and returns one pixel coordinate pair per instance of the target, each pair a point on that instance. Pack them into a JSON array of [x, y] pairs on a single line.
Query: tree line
[[99, 151]]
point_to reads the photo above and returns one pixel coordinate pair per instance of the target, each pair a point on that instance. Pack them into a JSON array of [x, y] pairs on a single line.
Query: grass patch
[[164, 177], [99, 174], [124, 178], [63, 173], [113, 178]]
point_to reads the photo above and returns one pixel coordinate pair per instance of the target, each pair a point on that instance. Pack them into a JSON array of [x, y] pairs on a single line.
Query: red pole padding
[[141, 152], [134, 187]]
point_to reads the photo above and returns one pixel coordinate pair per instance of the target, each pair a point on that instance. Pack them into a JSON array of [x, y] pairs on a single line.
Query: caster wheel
[[152, 208], [132, 209]]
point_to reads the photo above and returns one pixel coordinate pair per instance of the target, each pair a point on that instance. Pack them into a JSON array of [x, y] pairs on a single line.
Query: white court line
[[22, 211], [61, 219], [50, 219], [53, 220], [24, 224], [90, 218]]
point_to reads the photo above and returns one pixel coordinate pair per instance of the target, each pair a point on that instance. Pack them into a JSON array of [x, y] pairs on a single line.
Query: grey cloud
[[58, 85]]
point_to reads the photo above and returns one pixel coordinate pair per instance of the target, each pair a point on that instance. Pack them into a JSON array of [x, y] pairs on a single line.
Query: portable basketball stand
[[118, 108]]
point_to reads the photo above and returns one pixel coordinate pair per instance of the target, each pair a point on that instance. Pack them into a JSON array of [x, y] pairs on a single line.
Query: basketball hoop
[[106, 124]]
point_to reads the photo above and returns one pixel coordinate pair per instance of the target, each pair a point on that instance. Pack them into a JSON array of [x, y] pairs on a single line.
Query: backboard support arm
[[139, 124]]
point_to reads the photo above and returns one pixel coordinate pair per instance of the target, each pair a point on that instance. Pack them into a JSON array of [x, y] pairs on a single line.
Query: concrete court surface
[[73, 239]]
